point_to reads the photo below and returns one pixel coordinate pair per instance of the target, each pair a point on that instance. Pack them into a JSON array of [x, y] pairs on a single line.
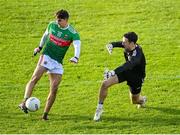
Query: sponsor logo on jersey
[[134, 53], [59, 41]]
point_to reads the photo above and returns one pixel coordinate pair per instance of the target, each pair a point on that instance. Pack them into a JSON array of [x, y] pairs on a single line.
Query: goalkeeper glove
[[108, 74], [109, 48]]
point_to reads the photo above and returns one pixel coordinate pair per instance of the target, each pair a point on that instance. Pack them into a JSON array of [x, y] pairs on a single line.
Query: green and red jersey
[[59, 40]]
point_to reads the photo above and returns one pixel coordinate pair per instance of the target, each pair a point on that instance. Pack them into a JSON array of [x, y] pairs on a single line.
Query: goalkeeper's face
[[62, 22], [127, 45]]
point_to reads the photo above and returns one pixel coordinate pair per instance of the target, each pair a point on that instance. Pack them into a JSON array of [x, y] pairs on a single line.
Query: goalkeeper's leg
[[103, 94], [138, 99], [104, 87]]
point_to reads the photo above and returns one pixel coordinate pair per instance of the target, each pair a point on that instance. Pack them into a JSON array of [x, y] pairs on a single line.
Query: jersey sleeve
[[128, 65], [45, 35], [75, 36], [77, 48], [117, 44], [43, 39], [74, 33]]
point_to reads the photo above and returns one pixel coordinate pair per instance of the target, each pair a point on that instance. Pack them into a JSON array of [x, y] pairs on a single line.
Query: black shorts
[[134, 81]]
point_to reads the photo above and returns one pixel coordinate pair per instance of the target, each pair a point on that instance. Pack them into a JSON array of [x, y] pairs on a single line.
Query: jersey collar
[[61, 27]]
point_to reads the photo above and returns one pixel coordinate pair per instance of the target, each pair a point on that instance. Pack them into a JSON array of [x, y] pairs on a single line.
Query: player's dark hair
[[62, 14], [131, 36]]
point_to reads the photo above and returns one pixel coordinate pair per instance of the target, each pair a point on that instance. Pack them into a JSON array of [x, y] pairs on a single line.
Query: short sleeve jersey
[[59, 40]]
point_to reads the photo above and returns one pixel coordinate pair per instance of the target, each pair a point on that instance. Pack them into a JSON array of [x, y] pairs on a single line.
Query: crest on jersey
[[66, 36], [59, 34], [134, 53], [129, 58]]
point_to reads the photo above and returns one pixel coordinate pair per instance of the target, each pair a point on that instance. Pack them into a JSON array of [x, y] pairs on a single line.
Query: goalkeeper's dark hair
[[131, 36], [62, 14]]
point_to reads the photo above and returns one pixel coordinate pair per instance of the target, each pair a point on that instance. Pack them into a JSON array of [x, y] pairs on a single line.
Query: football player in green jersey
[[55, 43]]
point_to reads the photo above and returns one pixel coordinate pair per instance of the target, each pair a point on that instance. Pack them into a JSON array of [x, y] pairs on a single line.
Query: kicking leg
[[38, 72]]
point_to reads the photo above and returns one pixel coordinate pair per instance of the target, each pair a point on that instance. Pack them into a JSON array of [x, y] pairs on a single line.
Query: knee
[[105, 85], [34, 79], [55, 84]]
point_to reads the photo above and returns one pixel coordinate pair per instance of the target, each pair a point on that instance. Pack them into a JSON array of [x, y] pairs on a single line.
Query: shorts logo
[[45, 62]]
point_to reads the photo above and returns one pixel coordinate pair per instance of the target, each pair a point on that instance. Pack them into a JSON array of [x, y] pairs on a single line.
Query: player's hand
[[74, 60], [108, 74], [109, 48], [37, 50]]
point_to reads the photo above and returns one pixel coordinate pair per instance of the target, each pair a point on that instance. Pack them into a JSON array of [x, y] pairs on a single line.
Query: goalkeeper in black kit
[[132, 71]]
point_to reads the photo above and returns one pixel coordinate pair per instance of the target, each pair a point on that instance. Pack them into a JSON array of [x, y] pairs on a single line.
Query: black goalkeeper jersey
[[135, 61]]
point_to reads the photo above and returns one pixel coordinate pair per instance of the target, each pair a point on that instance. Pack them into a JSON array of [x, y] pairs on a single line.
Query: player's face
[[126, 44], [62, 22]]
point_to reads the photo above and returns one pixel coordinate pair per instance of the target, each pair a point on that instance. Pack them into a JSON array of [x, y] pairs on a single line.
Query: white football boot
[[143, 104], [97, 114]]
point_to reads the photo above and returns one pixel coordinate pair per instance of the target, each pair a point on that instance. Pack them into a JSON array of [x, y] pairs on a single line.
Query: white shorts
[[51, 65]]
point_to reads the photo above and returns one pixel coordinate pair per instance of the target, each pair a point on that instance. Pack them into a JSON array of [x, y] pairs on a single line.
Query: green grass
[[157, 23]]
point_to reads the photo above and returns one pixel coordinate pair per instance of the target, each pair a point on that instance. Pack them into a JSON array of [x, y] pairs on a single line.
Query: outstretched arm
[[111, 45], [117, 44]]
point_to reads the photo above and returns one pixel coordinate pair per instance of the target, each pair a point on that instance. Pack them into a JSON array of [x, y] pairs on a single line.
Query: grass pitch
[[157, 23]]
